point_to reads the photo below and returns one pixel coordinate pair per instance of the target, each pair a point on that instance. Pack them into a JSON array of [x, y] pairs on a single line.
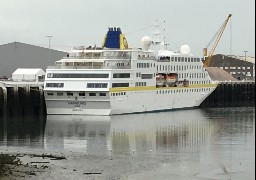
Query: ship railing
[[99, 57], [89, 67]]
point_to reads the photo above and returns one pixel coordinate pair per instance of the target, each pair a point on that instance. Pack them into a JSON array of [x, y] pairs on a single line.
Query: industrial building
[[20, 55], [240, 67]]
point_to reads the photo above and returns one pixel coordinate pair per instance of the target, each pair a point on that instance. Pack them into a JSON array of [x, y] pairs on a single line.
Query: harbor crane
[[207, 58]]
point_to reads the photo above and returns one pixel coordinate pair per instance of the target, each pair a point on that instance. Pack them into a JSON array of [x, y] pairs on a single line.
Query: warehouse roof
[[242, 58]]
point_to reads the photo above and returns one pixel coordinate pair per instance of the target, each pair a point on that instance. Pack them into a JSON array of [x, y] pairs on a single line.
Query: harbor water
[[210, 143]]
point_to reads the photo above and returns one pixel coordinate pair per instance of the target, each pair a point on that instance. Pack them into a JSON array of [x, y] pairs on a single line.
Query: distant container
[[28, 74]]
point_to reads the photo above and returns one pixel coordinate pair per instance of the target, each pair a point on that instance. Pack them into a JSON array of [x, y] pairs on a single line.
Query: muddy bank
[[12, 167], [73, 165], [148, 166]]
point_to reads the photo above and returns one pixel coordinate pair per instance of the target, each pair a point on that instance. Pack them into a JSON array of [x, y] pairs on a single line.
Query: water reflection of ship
[[77, 133], [158, 132]]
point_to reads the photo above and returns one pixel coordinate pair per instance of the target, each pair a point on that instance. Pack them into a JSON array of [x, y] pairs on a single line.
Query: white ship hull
[[134, 102]]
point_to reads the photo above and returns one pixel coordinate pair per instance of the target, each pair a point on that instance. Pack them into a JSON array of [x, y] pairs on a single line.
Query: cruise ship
[[115, 79]]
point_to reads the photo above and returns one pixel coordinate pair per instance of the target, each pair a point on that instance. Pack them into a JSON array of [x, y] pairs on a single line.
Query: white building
[[28, 74]]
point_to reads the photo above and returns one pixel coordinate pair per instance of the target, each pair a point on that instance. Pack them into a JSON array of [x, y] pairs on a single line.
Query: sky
[[84, 22]]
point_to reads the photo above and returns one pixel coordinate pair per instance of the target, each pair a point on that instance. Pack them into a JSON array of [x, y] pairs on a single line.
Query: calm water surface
[[211, 136]]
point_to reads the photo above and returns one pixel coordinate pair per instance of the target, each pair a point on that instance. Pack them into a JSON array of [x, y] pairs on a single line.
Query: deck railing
[[89, 67]]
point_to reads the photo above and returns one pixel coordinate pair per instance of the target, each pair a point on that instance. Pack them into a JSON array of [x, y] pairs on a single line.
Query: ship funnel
[[115, 39]]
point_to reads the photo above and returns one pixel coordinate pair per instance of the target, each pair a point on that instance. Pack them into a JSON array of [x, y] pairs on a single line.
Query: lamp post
[[49, 55], [245, 64]]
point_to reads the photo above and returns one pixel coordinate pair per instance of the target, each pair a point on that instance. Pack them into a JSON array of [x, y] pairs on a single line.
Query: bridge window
[[120, 85], [121, 75], [146, 76], [97, 85], [57, 85], [53, 75]]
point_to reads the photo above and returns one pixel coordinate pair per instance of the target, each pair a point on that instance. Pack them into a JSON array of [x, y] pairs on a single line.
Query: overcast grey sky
[[84, 22]]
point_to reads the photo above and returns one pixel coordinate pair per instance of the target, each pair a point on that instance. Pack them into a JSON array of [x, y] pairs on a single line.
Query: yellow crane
[[207, 58]]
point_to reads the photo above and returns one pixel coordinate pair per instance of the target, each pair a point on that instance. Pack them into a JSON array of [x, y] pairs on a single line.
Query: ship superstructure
[[115, 79]]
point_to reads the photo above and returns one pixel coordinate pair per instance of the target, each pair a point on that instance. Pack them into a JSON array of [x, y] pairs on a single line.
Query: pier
[[21, 99], [232, 94]]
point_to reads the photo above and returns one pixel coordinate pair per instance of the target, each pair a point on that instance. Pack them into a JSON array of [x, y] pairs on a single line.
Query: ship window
[[176, 59], [103, 94], [58, 85], [192, 59], [78, 75], [120, 84], [124, 93], [121, 75], [69, 94], [81, 94], [146, 76], [97, 85], [172, 59], [50, 94], [59, 94], [92, 94]]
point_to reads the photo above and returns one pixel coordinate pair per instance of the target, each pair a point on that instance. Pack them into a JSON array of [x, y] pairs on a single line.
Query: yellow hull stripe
[[146, 88]]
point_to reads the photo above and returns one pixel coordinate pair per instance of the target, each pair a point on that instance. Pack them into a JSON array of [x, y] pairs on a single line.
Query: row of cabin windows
[[199, 82], [105, 85], [115, 75], [137, 84], [55, 75], [192, 75], [56, 85], [97, 85], [81, 94], [176, 68], [169, 91], [183, 90], [145, 65], [121, 75], [118, 94], [145, 76], [90, 85], [185, 59], [114, 85]]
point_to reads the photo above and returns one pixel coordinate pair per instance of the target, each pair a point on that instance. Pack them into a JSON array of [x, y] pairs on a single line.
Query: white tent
[[28, 74]]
